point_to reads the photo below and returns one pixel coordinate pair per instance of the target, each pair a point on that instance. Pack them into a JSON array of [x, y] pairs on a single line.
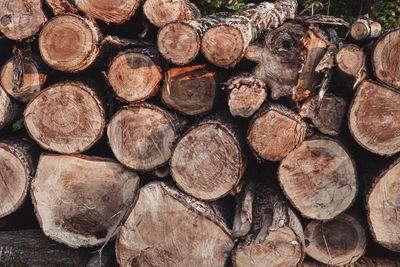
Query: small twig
[[311, 6]]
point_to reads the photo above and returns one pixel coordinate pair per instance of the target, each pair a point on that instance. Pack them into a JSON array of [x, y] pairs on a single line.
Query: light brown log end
[[364, 28]]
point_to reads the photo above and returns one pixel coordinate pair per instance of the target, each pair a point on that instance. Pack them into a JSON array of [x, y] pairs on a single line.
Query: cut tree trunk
[[65, 117], [69, 43], [141, 136], [362, 262], [385, 58], [80, 200], [243, 219], [382, 206], [276, 237], [365, 28], [32, 248], [245, 94], [135, 74], [288, 58], [20, 19], [373, 118], [191, 90], [350, 61], [338, 242], [9, 109], [328, 116], [207, 161], [175, 230], [110, 11], [275, 131], [16, 171], [160, 12], [319, 179]]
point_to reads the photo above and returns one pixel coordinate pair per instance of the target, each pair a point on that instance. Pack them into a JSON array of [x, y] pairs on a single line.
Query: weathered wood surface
[[65, 117], [365, 28], [350, 61], [168, 228], [243, 219], [80, 200], [362, 262], [9, 109]]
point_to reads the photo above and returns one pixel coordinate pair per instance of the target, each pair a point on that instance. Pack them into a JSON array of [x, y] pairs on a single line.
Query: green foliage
[[387, 13], [212, 6], [18, 125]]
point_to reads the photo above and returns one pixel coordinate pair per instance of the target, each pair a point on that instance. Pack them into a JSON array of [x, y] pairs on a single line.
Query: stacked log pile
[[143, 134]]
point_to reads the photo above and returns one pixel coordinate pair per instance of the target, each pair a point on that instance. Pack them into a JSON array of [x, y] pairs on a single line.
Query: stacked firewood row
[[153, 136]]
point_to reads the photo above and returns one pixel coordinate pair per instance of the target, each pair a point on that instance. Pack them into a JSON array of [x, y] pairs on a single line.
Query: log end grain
[[9, 109], [350, 60], [364, 28]]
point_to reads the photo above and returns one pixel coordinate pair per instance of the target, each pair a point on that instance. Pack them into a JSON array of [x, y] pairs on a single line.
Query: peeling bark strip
[[134, 75], [385, 58], [80, 200], [373, 118], [338, 242], [382, 206], [243, 219], [160, 12], [319, 179], [20, 19], [150, 236], [8, 109], [275, 131], [245, 94], [191, 90], [16, 171], [69, 43], [365, 28], [110, 11], [141, 136], [65, 118], [350, 61], [61, 7], [276, 237]]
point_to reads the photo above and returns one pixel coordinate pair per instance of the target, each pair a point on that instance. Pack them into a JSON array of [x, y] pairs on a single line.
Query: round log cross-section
[[365, 28], [207, 161], [65, 118], [69, 43], [350, 62], [141, 136], [319, 179]]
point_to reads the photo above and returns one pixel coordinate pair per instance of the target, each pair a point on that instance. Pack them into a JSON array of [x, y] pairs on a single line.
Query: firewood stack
[[143, 134]]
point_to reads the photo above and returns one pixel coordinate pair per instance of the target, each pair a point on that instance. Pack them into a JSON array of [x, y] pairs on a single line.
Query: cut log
[[65, 117], [288, 59], [32, 248], [382, 206], [22, 78], [191, 90], [276, 237], [338, 242], [69, 43], [328, 117], [275, 131], [207, 161], [8, 109], [134, 75], [243, 219], [365, 28], [362, 262], [160, 12], [110, 11], [20, 19], [16, 171], [373, 118], [350, 61], [319, 179], [385, 58], [80, 200], [150, 236], [245, 94], [141, 136]]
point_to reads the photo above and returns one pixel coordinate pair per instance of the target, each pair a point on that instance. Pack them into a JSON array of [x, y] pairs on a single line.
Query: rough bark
[[69, 43], [245, 94], [20, 19], [80, 200], [141, 136], [65, 117], [174, 230], [319, 179], [243, 219], [288, 58], [373, 118], [328, 116], [8, 109], [207, 161], [61, 6], [337, 242], [365, 28], [350, 61], [275, 131], [135, 74], [191, 90], [110, 11], [160, 12]]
